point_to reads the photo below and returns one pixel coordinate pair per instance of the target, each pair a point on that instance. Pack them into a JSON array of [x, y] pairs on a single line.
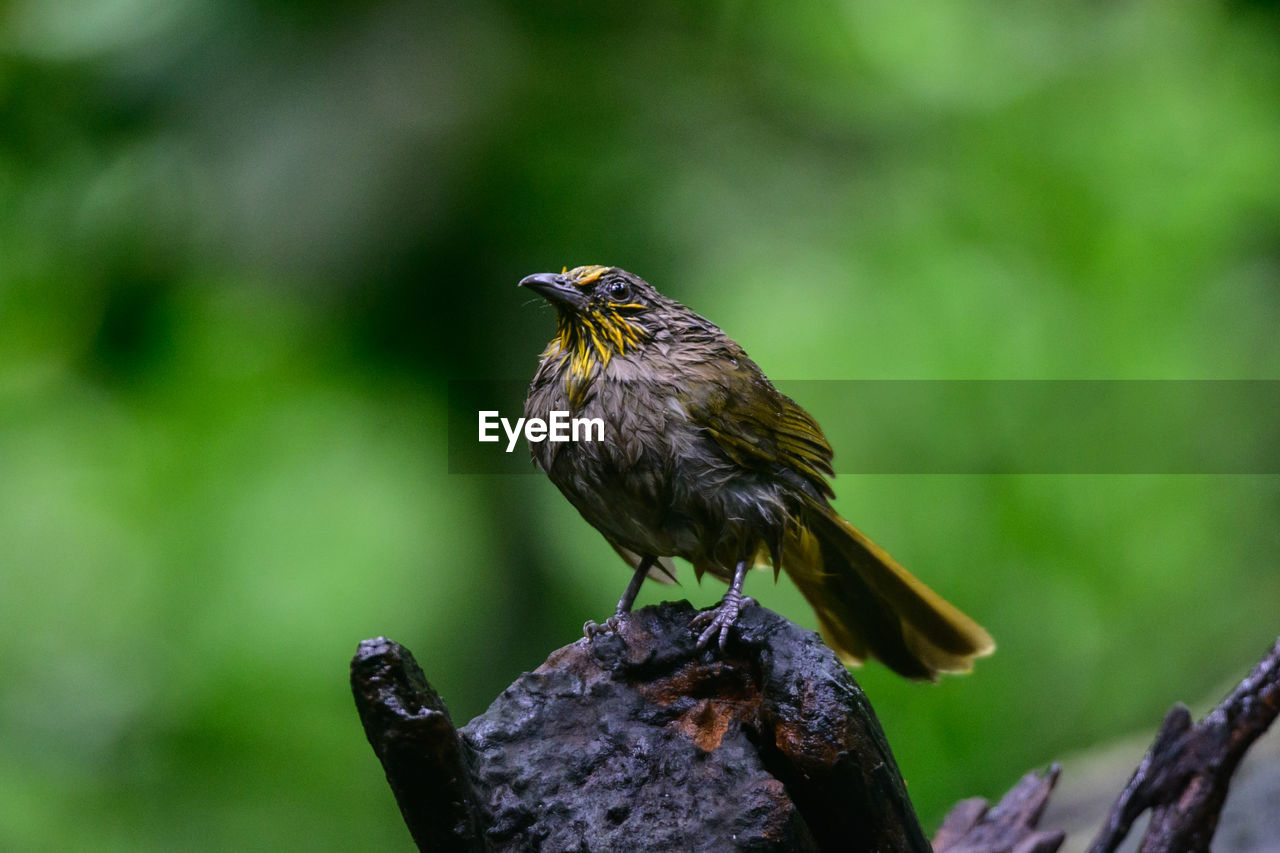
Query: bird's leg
[[720, 619], [633, 588], [590, 629]]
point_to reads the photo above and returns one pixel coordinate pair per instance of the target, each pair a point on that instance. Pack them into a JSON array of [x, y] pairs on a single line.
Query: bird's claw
[[592, 629], [720, 619]]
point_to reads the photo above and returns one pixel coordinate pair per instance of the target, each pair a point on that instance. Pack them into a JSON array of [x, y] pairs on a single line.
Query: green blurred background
[[244, 246]]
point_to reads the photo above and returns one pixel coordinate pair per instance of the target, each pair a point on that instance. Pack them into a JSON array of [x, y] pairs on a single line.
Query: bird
[[702, 458]]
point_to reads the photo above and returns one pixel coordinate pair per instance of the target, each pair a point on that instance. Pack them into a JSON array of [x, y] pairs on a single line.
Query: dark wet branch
[[410, 731], [1185, 774], [639, 741], [975, 827]]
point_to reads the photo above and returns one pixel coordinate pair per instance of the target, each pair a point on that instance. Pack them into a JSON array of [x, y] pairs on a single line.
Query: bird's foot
[[720, 619], [593, 629]]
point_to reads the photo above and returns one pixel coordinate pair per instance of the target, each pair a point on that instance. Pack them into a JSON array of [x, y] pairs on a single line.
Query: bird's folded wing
[[756, 425]]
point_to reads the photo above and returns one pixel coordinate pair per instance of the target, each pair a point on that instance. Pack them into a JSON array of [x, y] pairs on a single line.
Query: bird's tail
[[867, 604]]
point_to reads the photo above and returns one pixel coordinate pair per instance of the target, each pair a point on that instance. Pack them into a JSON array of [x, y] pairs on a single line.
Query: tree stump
[[637, 740]]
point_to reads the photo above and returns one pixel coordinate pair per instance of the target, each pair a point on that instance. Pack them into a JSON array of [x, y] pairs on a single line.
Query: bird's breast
[[657, 483]]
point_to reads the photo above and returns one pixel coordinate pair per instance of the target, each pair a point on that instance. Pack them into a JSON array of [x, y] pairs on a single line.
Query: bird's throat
[[589, 340], [584, 344]]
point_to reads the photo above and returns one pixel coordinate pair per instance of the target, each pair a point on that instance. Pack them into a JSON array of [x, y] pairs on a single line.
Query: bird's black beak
[[556, 289]]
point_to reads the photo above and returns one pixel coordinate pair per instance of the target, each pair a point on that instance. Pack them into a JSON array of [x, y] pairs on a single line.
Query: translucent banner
[[956, 427]]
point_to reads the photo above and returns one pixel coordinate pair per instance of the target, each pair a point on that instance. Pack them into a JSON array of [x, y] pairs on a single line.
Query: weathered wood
[[639, 741], [410, 731], [1185, 774], [1010, 827]]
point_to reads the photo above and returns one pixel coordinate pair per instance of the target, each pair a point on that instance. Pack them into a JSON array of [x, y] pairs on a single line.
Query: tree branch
[[973, 827], [410, 731], [1185, 774]]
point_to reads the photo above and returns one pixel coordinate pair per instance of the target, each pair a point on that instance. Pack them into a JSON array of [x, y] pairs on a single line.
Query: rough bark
[[973, 826], [1185, 774], [410, 731], [639, 741]]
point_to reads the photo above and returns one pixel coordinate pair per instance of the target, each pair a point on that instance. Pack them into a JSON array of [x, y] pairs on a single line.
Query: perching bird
[[704, 459]]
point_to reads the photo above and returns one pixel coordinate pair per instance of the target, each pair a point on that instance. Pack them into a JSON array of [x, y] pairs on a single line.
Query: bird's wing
[[755, 424]]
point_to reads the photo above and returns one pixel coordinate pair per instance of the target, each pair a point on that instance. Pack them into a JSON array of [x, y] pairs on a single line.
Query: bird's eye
[[619, 291]]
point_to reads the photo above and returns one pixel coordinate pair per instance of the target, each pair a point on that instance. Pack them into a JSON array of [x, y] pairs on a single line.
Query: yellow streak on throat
[[588, 343]]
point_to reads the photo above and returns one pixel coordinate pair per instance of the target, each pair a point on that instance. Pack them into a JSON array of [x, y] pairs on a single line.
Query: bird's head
[[602, 312]]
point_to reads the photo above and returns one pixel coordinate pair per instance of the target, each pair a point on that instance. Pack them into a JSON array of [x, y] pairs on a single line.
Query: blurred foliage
[[244, 246]]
